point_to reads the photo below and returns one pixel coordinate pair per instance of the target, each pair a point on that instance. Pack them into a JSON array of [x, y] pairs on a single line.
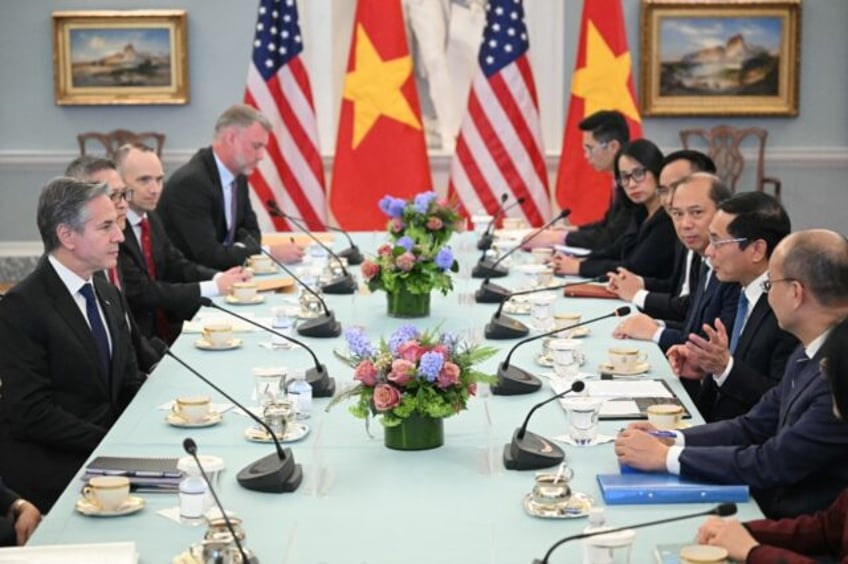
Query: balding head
[[818, 259]]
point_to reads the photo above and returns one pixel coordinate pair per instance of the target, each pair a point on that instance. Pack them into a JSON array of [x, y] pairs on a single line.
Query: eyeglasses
[[766, 285], [637, 175], [118, 195], [719, 243], [589, 149]]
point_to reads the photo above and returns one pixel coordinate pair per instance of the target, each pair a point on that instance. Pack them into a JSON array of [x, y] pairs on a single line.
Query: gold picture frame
[[720, 57], [113, 57]]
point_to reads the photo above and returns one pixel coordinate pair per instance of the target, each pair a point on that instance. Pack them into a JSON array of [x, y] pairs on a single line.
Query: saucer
[[257, 299], [131, 505], [513, 308], [212, 418], [260, 435], [544, 360], [640, 368], [577, 506], [262, 271], [205, 345], [577, 333]]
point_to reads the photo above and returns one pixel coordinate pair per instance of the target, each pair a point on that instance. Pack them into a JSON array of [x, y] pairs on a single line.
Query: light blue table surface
[[374, 505]]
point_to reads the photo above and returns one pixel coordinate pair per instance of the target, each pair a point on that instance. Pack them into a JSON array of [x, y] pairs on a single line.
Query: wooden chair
[[722, 143], [113, 140]]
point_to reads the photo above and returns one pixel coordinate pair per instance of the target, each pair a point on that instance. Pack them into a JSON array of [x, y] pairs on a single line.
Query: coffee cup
[[546, 276], [512, 223], [107, 493], [626, 358], [259, 263], [562, 320], [193, 409], [665, 416], [541, 255], [702, 554], [218, 334], [551, 490], [244, 291]]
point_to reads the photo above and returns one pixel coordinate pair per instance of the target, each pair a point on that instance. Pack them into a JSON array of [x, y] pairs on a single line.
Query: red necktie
[[163, 328], [113, 277]]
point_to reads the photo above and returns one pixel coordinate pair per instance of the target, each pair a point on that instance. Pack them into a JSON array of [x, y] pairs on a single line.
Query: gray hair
[[240, 115], [719, 191], [64, 201], [818, 259], [84, 166]]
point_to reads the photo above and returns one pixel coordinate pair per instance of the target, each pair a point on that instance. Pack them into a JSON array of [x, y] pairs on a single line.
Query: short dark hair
[[62, 202], [645, 152], [821, 268], [84, 166], [835, 355], [758, 216], [699, 161], [606, 125]]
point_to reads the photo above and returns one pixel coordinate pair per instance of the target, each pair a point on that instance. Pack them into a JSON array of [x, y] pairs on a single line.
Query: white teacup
[[626, 358], [541, 255], [665, 416], [244, 291], [562, 320], [192, 408], [583, 412], [566, 357], [259, 263], [218, 334], [512, 223], [107, 492], [269, 380], [702, 554]]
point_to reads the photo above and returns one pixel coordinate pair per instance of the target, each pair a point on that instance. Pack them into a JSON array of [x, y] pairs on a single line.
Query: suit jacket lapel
[[207, 157], [132, 246], [758, 315], [804, 376], [115, 320]]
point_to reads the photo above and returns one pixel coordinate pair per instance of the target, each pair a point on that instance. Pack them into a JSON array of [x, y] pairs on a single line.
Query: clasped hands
[[636, 447]]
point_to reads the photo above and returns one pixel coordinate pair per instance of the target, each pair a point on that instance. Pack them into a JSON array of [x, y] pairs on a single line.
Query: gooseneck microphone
[[492, 293], [514, 381], [505, 327], [321, 327], [275, 473], [722, 510], [191, 448], [352, 253], [322, 385], [344, 284], [486, 239], [529, 451]]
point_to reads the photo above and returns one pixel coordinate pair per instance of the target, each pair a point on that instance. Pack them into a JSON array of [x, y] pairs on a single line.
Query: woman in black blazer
[[647, 245]]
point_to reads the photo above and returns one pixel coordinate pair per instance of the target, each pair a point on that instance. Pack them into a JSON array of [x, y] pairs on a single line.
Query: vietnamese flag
[[380, 148], [602, 81]]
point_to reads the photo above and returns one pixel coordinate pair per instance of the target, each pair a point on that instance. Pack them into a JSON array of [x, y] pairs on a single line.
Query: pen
[[663, 434]]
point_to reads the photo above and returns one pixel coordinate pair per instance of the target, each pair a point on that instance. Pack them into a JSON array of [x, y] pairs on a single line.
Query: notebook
[[145, 474], [640, 488]]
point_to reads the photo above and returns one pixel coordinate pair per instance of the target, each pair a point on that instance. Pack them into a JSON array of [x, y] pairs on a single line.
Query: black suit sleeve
[[596, 236], [666, 306]]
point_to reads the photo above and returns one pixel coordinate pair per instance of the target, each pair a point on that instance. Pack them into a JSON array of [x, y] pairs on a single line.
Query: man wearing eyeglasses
[[789, 448], [737, 365], [604, 133]]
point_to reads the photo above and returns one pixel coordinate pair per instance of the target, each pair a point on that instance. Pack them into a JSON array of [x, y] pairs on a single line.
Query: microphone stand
[[275, 473], [487, 238], [529, 451], [515, 381], [322, 385], [321, 327], [505, 327], [352, 253]]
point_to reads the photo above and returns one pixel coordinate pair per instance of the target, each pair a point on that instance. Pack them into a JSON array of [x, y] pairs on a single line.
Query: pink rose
[[472, 389], [370, 269], [366, 373], [401, 373], [434, 223], [385, 397], [384, 250], [448, 376], [410, 351], [405, 261], [442, 202], [443, 350], [396, 225]]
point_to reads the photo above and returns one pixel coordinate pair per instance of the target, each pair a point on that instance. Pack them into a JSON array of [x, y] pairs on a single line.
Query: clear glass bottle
[[300, 393], [596, 554], [192, 497]]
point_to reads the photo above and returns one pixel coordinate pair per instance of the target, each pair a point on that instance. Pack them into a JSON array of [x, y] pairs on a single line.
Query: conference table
[[361, 502]]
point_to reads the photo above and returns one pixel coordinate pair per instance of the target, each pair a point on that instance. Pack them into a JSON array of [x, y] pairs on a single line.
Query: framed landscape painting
[[720, 57], [120, 57]]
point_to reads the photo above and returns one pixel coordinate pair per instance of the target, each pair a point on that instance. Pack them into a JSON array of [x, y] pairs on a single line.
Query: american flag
[[499, 150], [278, 86]]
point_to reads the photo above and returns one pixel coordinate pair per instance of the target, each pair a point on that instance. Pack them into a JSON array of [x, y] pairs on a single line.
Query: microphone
[[322, 385], [530, 451], [322, 327], [514, 381], [191, 448], [492, 293], [352, 253], [344, 284], [276, 473], [722, 510], [486, 239], [510, 328]]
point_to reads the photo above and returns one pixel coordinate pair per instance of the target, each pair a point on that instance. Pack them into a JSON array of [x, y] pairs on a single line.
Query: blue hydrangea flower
[[444, 258], [405, 242], [422, 201], [384, 204], [391, 206], [358, 343], [430, 365], [450, 340], [401, 335]]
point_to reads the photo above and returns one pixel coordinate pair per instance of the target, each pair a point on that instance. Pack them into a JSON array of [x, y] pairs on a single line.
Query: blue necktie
[[741, 312], [97, 328], [231, 231]]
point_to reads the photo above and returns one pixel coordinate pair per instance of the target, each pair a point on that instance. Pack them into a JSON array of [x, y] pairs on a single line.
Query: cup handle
[[581, 358], [642, 356], [88, 494]]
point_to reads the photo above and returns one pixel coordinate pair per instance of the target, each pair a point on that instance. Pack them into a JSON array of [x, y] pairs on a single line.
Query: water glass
[[541, 310], [583, 412], [268, 381]]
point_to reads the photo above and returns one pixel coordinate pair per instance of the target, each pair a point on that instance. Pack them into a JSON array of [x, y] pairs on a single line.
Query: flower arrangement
[[427, 373], [417, 259]]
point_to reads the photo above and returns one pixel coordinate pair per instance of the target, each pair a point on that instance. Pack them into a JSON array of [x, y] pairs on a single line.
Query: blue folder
[[641, 488]]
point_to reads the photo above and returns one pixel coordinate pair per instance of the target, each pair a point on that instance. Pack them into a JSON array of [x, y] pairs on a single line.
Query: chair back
[[113, 140]]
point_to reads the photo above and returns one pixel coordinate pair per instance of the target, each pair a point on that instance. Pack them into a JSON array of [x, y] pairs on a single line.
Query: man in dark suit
[[18, 518], [162, 286], [737, 365], [789, 448], [667, 298], [205, 205], [67, 364]]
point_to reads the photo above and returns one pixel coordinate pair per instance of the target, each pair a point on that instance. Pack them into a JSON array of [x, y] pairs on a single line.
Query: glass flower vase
[[416, 432], [406, 304]]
